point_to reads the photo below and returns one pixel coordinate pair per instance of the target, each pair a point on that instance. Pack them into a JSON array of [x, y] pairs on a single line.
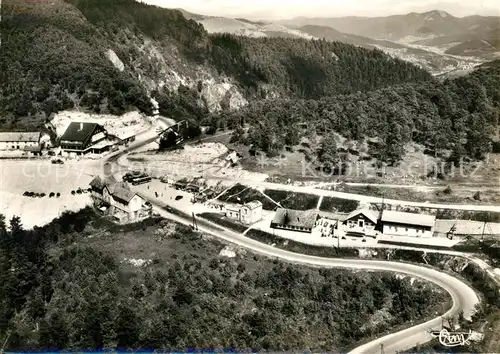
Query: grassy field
[[240, 194], [292, 200], [332, 204]]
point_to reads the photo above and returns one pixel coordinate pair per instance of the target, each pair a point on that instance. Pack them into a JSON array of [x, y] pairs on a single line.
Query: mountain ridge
[[57, 56]]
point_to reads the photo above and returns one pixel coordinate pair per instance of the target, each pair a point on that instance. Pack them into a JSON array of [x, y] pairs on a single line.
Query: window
[[406, 229], [396, 229]]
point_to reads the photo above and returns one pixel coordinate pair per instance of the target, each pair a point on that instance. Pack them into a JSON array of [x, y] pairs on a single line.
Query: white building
[[248, 213], [20, 141], [251, 212], [396, 223], [361, 222]]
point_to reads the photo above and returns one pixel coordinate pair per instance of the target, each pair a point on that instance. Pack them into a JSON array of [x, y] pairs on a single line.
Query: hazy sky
[[275, 9]]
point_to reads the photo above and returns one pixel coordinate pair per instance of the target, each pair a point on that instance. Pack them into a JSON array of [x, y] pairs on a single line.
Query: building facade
[[397, 223], [118, 201], [81, 138], [20, 141], [361, 222], [248, 213]]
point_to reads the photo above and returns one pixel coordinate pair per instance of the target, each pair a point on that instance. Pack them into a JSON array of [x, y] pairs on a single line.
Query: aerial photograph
[[222, 176]]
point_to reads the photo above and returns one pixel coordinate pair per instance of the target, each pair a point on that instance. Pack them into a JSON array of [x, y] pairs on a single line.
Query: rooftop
[[79, 131], [297, 218], [399, 217], [370, 214], [20, 137], [123, 194], [99, 183], [254, 204]]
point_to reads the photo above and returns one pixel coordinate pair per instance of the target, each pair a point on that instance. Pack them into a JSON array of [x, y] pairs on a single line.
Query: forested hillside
[[55, 55], [458, 115], [69, 286]]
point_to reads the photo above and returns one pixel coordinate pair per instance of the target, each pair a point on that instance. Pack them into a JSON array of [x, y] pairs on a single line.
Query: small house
[[248, 213], [117, 200], [251, 212], [361, 222]]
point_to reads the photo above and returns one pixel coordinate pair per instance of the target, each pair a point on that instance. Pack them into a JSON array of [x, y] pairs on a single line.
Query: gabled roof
[[79, 131], [398, 217], [99, 183], [254, 204], [112, 187], [371, 215], [32, 137], [123, 194], [297, 218]]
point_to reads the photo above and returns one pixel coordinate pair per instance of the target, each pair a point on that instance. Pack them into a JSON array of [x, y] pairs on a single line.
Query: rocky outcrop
[[115, 60], [221, 95]]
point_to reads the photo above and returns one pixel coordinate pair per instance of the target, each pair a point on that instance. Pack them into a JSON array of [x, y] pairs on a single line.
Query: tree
[[328, 152]]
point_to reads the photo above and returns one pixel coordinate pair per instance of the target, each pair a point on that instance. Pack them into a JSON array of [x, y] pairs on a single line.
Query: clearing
[[41, 176]]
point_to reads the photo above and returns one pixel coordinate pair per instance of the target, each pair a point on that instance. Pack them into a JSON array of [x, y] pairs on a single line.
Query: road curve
[[464, 298]]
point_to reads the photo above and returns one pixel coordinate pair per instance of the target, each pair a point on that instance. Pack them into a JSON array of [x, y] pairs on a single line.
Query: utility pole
[[338, 236], [482, 233], [382, 348], [195, 224]]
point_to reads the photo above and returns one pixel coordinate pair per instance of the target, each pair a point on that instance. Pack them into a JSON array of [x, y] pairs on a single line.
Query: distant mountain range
[[435, 40], [472, 35]]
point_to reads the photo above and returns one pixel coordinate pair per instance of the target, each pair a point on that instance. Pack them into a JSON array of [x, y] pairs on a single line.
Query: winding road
[[464, 298]]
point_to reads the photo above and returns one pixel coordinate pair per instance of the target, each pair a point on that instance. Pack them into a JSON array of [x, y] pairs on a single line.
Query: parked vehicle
[[58, 161], [141, 180], [129, 176]]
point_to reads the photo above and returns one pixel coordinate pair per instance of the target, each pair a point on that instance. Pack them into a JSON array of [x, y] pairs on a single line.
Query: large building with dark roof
[[82, 137], [295, 220]]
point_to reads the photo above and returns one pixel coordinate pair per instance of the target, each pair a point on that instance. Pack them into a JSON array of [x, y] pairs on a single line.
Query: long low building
[[29, 141], [396, 223]]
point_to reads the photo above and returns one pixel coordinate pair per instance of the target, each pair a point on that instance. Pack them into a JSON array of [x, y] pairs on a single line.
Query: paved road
[[464, 297]]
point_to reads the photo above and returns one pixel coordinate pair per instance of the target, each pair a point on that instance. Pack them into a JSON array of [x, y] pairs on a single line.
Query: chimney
[[81, 126]]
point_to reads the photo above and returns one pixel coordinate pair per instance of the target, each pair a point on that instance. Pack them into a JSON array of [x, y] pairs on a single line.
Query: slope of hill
[[249, 28], [111, 55], [433, 29], [454, 119], [435, 63], [397, 27]]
